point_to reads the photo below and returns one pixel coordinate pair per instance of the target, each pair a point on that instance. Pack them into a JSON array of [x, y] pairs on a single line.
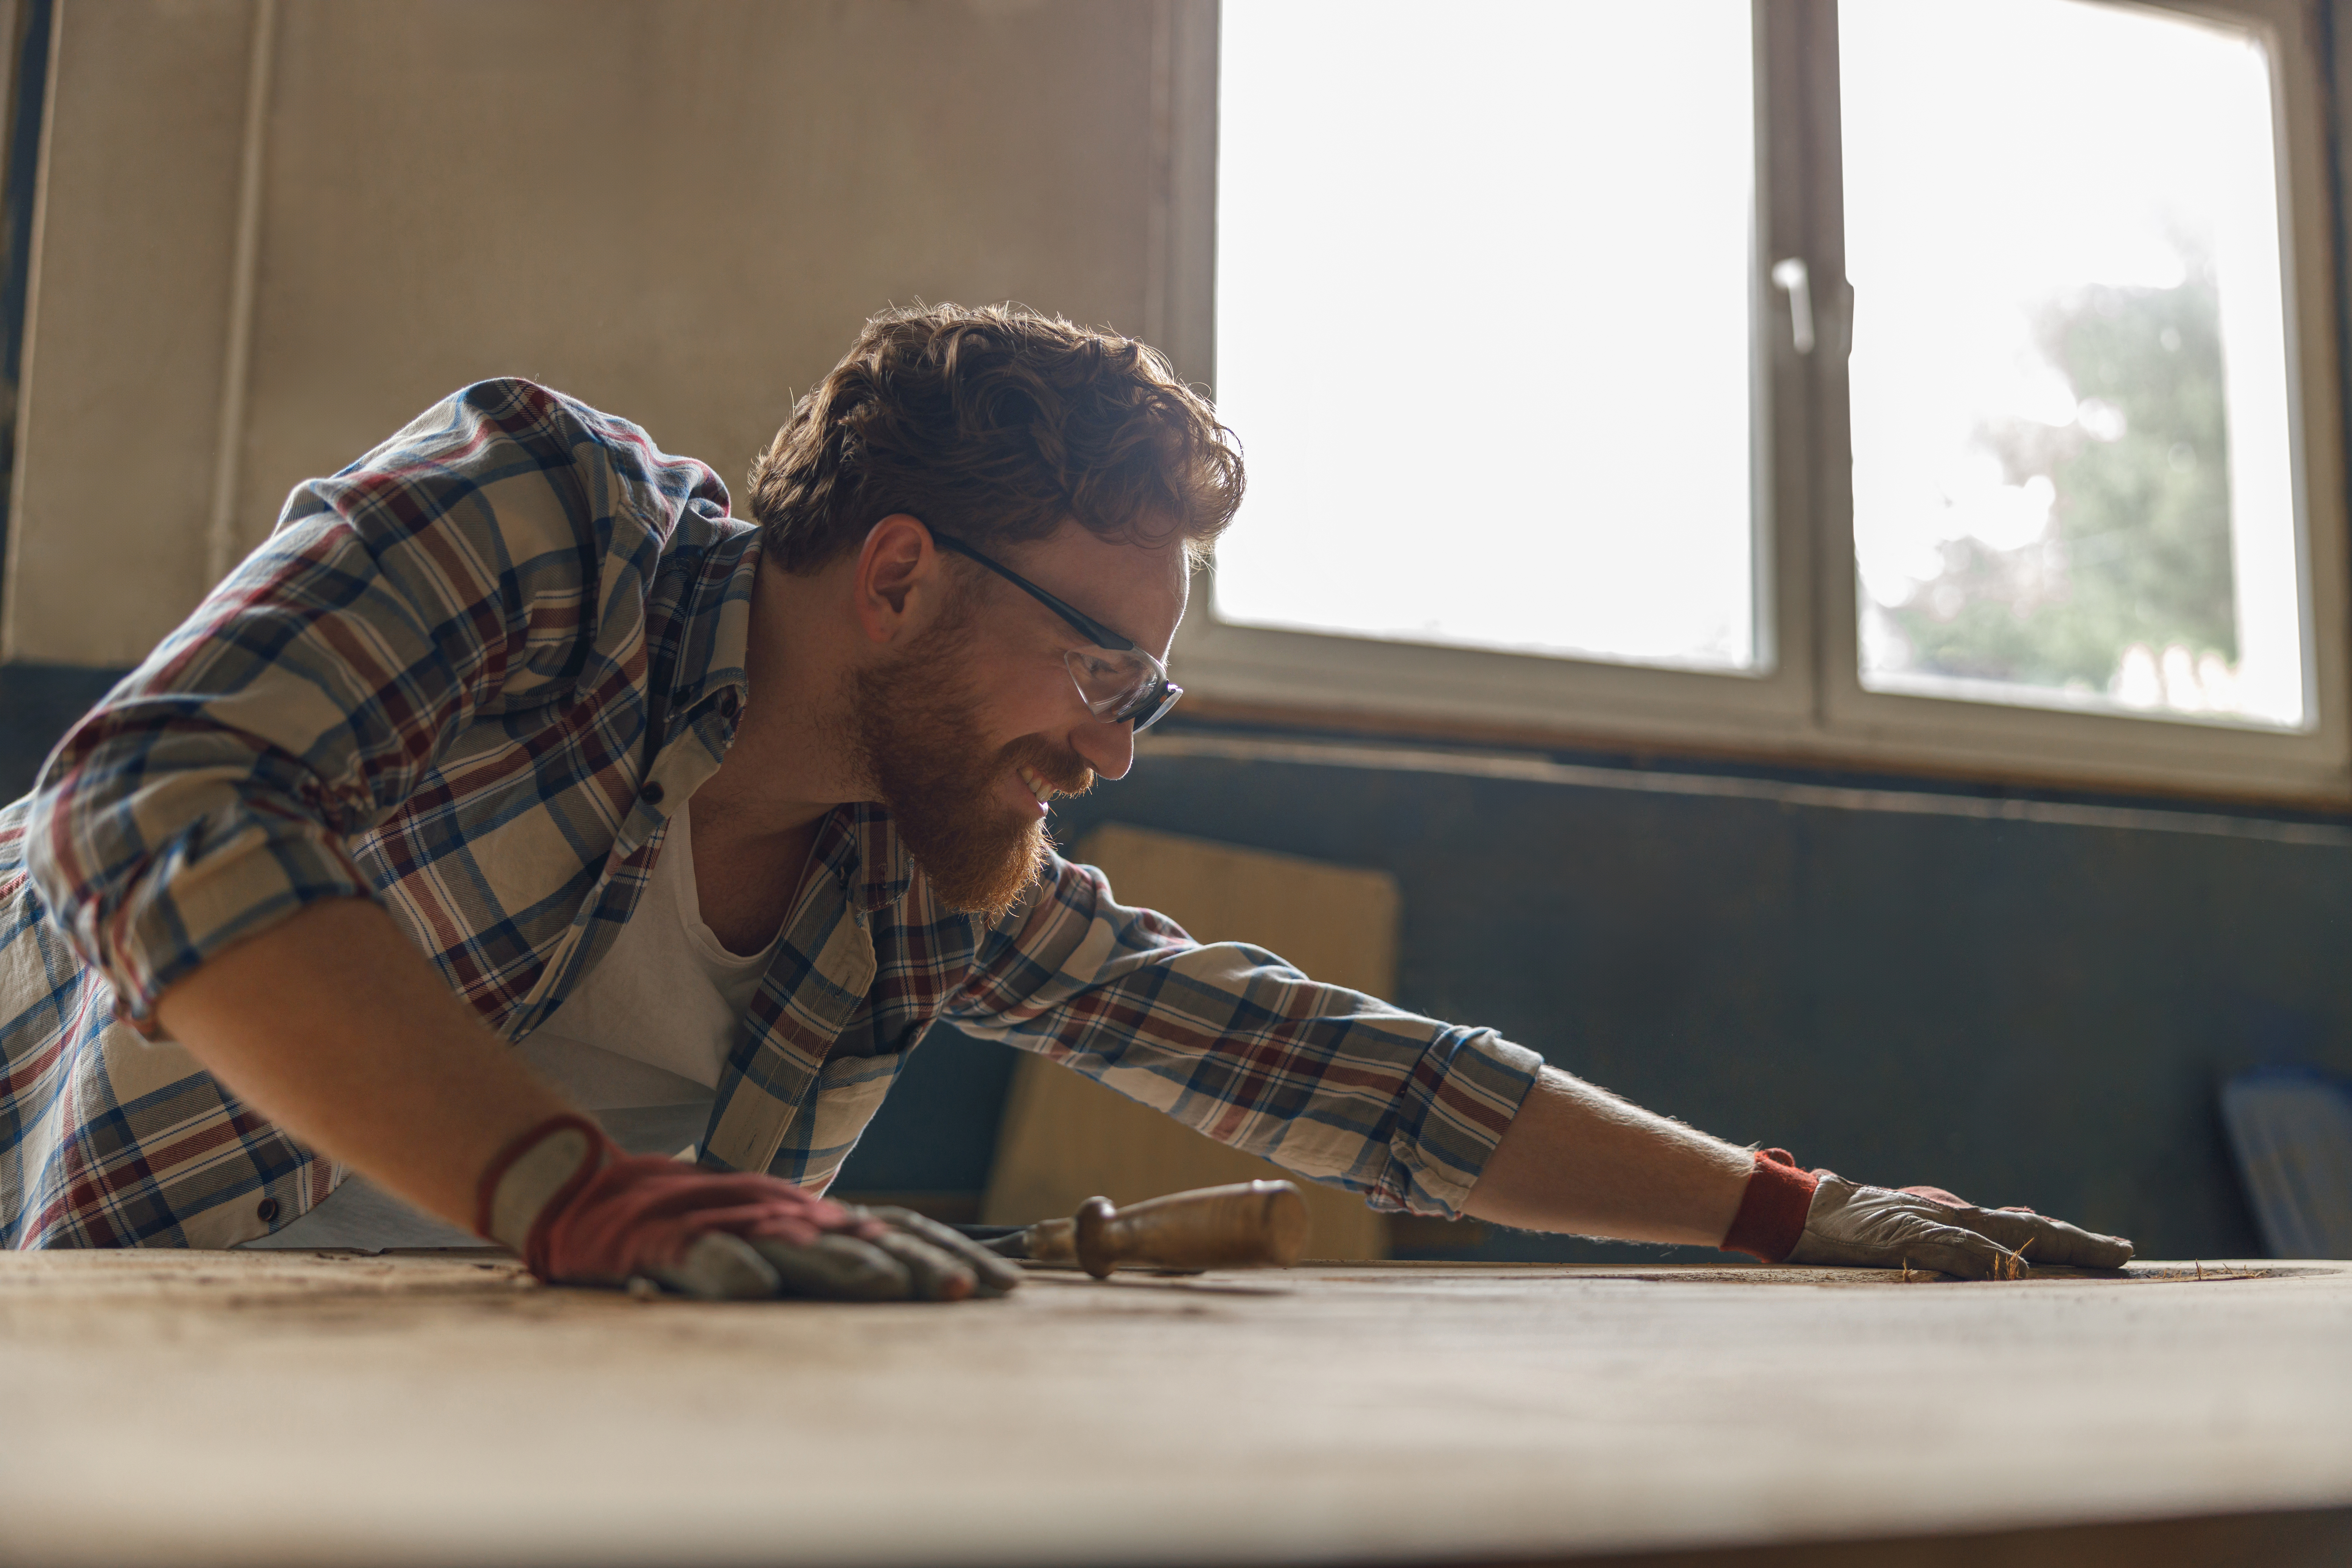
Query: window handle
[[1790, 273]]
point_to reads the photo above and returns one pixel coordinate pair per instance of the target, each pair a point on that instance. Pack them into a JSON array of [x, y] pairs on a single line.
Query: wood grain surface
[[284, 1408]]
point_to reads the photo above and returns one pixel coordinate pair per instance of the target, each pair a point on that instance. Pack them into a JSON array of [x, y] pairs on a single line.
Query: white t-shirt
[[638, 1044], [653, 1022]]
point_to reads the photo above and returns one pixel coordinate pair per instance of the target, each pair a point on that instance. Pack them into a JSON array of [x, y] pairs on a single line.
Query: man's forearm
[[334, 1027], [1580, 1160]]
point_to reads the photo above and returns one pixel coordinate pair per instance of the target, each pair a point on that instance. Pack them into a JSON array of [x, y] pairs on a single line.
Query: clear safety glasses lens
[[1119, 685]]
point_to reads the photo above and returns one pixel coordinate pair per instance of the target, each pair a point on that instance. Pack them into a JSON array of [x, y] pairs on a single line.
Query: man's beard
[[912, 719]]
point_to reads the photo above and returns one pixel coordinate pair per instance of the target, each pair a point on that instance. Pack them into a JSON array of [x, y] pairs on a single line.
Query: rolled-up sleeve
[[211, 794], [1232, 1041]]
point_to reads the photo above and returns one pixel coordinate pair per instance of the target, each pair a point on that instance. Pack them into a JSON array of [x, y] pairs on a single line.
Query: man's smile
[[1041, 791]]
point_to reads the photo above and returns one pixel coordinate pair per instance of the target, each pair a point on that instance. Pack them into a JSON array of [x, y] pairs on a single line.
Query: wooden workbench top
[[267, 1409]]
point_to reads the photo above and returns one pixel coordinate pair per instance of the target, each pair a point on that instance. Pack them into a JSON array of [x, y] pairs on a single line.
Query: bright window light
[[2073, 465], [1483, 283]]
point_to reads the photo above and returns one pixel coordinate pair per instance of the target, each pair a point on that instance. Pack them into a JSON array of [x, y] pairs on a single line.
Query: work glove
[[581, 1212], [1857, 1226], [1789, 1216]]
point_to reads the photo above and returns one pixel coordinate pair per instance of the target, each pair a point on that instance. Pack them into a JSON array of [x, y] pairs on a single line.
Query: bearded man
[[516, 820]]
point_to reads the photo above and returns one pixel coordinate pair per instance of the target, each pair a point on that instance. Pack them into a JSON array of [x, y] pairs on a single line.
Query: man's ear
[[899, 579]]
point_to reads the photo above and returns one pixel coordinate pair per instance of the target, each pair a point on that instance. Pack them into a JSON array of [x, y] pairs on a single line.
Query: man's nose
[[1109, 749]]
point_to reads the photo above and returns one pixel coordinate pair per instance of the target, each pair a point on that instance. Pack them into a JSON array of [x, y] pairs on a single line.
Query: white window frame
[[1808, 704]]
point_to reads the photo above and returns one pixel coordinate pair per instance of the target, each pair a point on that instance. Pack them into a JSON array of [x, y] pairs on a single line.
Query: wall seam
[[237, 360], [29, 165]]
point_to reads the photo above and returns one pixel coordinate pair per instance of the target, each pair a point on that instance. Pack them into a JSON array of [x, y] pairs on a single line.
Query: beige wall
[[679, 210]]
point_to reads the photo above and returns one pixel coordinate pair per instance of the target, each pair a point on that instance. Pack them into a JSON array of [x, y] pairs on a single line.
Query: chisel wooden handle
[[1250, 1224]]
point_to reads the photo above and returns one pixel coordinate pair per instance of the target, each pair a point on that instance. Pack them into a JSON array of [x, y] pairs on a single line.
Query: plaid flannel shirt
[[467, 677]]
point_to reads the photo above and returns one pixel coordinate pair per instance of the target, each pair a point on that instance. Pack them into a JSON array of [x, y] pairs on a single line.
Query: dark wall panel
[[39, 702]]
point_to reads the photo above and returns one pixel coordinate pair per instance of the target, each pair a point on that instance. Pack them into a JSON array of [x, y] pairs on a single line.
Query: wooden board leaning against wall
[[1066, 1137]]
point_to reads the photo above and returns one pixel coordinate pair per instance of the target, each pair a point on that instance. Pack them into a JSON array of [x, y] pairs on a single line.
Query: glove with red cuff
[[581, 1212], [1791, 1215]]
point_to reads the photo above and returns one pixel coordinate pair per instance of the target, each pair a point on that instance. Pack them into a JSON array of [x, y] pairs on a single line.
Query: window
[[1925, 382], [1519, 301], [2072, 475]]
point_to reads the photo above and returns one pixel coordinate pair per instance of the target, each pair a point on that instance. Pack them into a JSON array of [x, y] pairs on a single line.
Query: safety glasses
[[1119, 682]]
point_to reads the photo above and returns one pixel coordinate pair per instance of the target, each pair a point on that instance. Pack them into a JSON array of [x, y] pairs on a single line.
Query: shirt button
[[727, 706], [654, 793], [266, 1210]]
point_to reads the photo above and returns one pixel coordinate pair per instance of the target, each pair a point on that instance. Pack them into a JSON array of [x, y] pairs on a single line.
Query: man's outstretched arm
[[1578, 1160], [1430, 1117], [330, 1025]]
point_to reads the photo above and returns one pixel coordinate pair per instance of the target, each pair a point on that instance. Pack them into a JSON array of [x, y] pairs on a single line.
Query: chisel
[[1249, 1224]]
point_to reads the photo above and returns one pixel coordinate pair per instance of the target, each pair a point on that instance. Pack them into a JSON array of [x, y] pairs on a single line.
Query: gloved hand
[[581, 1212], [1857, 1227], [1823, 1218]]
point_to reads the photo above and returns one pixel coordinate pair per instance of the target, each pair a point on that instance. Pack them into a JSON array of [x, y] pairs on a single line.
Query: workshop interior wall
[[681, 212]]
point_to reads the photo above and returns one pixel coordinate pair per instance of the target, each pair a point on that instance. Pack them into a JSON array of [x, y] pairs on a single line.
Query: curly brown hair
[[993, 424]]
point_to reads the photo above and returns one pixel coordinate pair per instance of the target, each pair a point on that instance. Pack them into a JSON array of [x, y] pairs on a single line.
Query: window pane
[[2071, 461], [1483, 297]]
